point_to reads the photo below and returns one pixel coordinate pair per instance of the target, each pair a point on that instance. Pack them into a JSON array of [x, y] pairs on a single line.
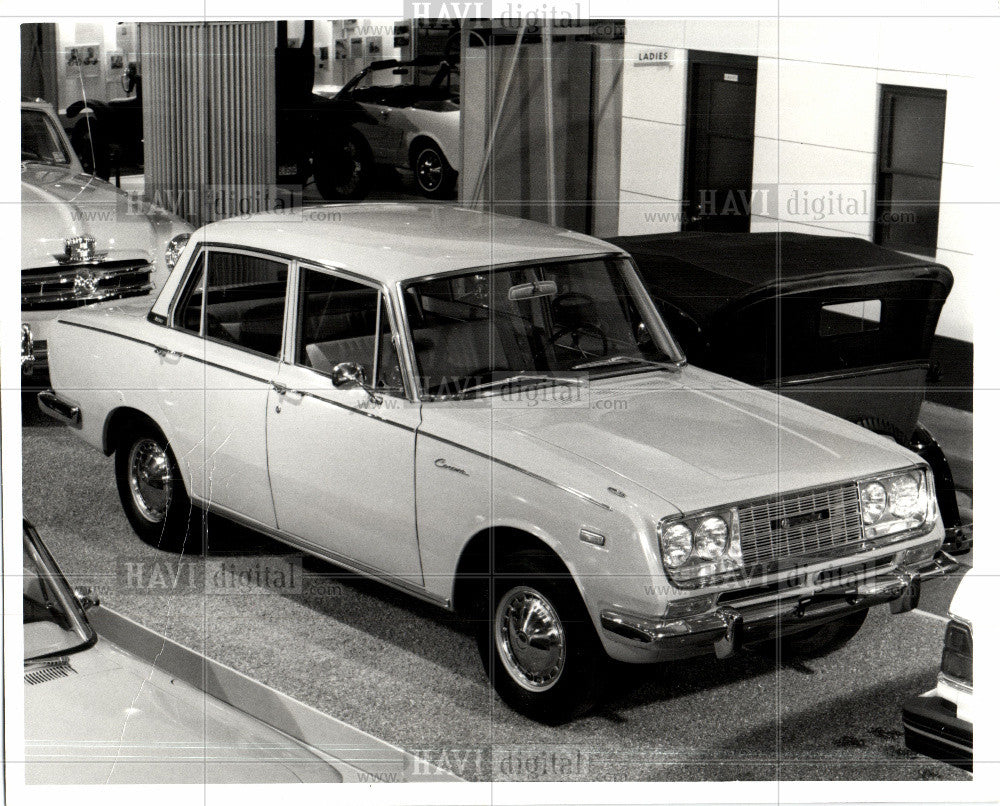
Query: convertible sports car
[[490, 414], [407, 125]]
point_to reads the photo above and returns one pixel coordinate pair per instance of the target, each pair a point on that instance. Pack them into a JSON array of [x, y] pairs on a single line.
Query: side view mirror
[[350, 375], [87, 598]]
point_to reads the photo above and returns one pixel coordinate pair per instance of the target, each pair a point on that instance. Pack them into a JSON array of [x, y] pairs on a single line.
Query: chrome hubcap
[[530, 638], [149, 479], [429, 169]]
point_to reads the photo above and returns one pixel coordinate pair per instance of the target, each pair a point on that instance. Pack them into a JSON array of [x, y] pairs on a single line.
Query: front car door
[[341, 462]]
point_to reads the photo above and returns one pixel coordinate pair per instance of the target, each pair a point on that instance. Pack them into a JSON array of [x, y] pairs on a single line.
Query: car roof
[[395, 242], [705, 271]]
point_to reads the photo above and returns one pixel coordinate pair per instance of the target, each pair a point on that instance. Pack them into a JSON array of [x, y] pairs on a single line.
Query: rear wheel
[[152, 491], [434, 176], [537, 642], [824, 639], [344, 168]]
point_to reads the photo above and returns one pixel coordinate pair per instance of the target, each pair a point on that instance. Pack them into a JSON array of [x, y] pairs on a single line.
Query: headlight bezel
[[703, 566], [890, 525]]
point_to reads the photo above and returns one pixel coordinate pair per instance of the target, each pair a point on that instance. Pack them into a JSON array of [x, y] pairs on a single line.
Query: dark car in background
[[838, 323]]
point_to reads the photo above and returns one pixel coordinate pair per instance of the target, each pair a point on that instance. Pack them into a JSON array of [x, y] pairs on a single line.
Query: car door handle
[[163, 352], [284, 391]]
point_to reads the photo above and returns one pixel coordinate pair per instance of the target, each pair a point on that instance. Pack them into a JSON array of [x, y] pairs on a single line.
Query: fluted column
[[209, 117]]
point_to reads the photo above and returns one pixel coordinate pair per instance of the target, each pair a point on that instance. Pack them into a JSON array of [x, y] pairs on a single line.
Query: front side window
[[244, 301], [339, 321], [557, 318]]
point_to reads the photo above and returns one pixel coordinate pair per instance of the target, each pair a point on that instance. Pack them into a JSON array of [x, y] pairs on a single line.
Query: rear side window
[[246, 301]]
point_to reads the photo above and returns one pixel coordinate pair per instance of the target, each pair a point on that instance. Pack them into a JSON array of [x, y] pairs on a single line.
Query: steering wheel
[[569, 312]]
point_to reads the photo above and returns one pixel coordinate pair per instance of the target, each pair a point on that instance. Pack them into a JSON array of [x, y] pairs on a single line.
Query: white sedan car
[[490, 414]]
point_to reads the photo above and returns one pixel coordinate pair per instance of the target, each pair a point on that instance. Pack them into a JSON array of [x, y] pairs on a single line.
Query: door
[[341, 459], [718, 171], [217, 364], [243, 326]]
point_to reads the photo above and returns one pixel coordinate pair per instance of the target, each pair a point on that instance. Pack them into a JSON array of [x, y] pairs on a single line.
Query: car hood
[[697, 439], [58, 204], [115, 719]]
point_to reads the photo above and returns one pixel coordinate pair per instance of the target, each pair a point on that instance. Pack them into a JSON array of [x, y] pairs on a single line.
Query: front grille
[[799, 524], [70, 286]]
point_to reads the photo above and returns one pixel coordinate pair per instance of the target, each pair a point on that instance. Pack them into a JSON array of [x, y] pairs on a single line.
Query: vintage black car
[[838, 323]]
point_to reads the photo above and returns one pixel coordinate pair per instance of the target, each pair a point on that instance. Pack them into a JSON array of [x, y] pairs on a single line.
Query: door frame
[[718, 59]]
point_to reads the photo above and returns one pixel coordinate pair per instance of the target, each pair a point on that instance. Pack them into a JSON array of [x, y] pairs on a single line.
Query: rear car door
[[236, 301]]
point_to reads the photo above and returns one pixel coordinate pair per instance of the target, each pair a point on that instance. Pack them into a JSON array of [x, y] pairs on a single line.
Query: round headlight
[[873, 499], [676, 542], [174, 248], [904, 497], [711, 537]]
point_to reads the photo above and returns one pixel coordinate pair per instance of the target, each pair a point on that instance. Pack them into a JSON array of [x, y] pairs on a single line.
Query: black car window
[[188, 315]]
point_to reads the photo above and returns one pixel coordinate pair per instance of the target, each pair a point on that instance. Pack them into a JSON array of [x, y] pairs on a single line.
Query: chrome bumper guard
[[726, 629], [59, 408]]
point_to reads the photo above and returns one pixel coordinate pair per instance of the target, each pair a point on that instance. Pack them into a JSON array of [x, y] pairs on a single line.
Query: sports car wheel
[[152, 490], [434, 176], [537, 642]]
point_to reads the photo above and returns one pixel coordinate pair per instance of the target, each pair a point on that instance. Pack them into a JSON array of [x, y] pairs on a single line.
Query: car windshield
[[552, 322], [53, 622], [40, 142]]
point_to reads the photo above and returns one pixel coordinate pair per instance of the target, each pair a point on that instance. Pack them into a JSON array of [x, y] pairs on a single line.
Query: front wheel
[[538, 644], [152, 491], [824, 639]]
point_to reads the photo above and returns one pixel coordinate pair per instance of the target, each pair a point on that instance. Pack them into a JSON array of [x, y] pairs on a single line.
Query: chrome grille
[[799, 524], [83, 283]]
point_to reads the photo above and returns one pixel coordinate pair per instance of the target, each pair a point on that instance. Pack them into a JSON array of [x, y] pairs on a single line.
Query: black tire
[[158, 507], [574, 685], [343, 167], [824, 639], [433, 174]]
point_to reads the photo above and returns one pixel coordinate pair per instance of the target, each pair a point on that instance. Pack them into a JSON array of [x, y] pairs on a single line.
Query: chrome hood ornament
[[80, 249]]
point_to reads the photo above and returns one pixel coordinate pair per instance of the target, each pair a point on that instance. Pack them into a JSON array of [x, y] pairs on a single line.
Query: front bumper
[[931, 727], [725, 629]]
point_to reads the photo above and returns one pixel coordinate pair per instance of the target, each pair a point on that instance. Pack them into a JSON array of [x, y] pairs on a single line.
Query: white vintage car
[[82, 239], [490, 414]]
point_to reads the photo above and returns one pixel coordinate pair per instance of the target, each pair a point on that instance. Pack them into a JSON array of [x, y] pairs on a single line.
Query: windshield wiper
[[522, 377], [613, 360]]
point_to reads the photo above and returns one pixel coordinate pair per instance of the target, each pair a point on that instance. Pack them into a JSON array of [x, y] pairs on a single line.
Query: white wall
[[816, 125]]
